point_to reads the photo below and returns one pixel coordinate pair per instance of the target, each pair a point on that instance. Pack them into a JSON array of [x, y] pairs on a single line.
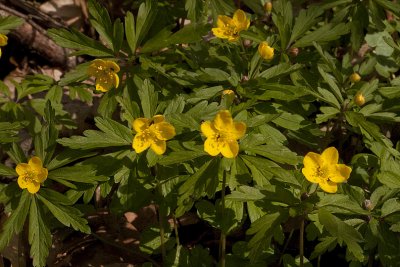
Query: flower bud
[[359, 99], [266, 52], [268, 7], [355, 77], [294, 51], [228, 96]]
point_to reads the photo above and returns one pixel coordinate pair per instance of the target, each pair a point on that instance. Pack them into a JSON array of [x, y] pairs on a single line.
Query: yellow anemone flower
[[152, 133], [229, 28], [105, 72], [222, 134], [324, 169], [265, 51], [31, 175], [3, 41]]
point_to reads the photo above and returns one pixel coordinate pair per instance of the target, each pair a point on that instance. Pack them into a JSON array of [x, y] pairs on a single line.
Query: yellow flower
[[105, 72], [222, 134], [266, 52], [268, 7], [152, 133], [31, 175], [229, 28], [3, 41], [324, 169], [355, 77], [359, 99]]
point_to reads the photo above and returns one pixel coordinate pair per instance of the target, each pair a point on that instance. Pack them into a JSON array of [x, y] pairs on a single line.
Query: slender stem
[[176, 230], [285, 246], [160, 221], [223, 235], [302, 242], [319, 261]]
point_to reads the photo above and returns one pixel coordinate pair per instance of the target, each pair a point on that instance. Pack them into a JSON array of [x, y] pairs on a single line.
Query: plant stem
[[223, 235], [160, 221], [285, 246], [302, 242], [176, 230]]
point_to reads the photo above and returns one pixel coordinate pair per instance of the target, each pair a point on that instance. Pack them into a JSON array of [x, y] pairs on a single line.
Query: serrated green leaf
[[148, 98], [39, 235], [326, 33], [69, 216], [177, 157], [7, 171], [77, 173], [8, 23]]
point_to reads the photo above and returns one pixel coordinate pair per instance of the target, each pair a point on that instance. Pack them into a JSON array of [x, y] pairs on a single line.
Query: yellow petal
[[33, 187], [94, 67], [115, 81], [159, 146], [102, 87], [208, 129], [22, 168], [328, 186], [22, 182], [310, 175], [111, 65], [36, 164], [265, 51], [312, 160], [230, 149], [0, 52], [240, 130], [224, 21], [330, 155], [42, 175], [158, 118], [140, 143], [140, 124], [163, 130], [220, 33], [211, 146], [3, 40], [240, 20], [340, 173], [223, 120]]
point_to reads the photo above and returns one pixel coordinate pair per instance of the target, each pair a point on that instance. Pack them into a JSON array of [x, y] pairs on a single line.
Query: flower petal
[[158, 118], [208, 129], [93, 68], [328, 186], [312, 160], [22, 168], [240, 20], [224, 21], [22, 182], [220, 33], [163, 130], [115, 81], [240, 130], [33, 187], [109, 64], [140, 124], [3, 40], [42, 175], [340, 173], [140, 143], [229, 149], [310, 174], [36, 164], [159, 146], [223, 120], [330, 155], [211, 146], [102, 87]]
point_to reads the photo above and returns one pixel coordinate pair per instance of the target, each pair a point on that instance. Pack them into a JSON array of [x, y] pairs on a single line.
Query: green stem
[[301, 242], [223, 235], [176, 230], [162, 231], [285, 246]]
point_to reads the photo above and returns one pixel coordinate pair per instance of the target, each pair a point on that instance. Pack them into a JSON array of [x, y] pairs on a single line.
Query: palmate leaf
[[15, 222], [101, 21], [8, 23], [69, 216], [112, 134], [328, 32], [7, 171], [39, 234]]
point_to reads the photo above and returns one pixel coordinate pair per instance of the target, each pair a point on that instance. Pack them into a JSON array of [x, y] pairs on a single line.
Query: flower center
[[30, 177]]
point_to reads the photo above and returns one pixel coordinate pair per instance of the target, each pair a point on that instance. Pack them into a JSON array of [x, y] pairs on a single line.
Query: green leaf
[[69, 216], [8, 23], [16, 221], [390, 206], [304, 22], [177, 157], [7, 171], [145, 18], [338, 203], [343, 232], [332, 84], [130, 31], [77, 173], [194, 9], [280, 70], [76, 40], [277, 153], [101, 21], [327, 244], [114, 134], [67, 156], [54, 196], [39, 235], [148, 98], [324, 34]]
